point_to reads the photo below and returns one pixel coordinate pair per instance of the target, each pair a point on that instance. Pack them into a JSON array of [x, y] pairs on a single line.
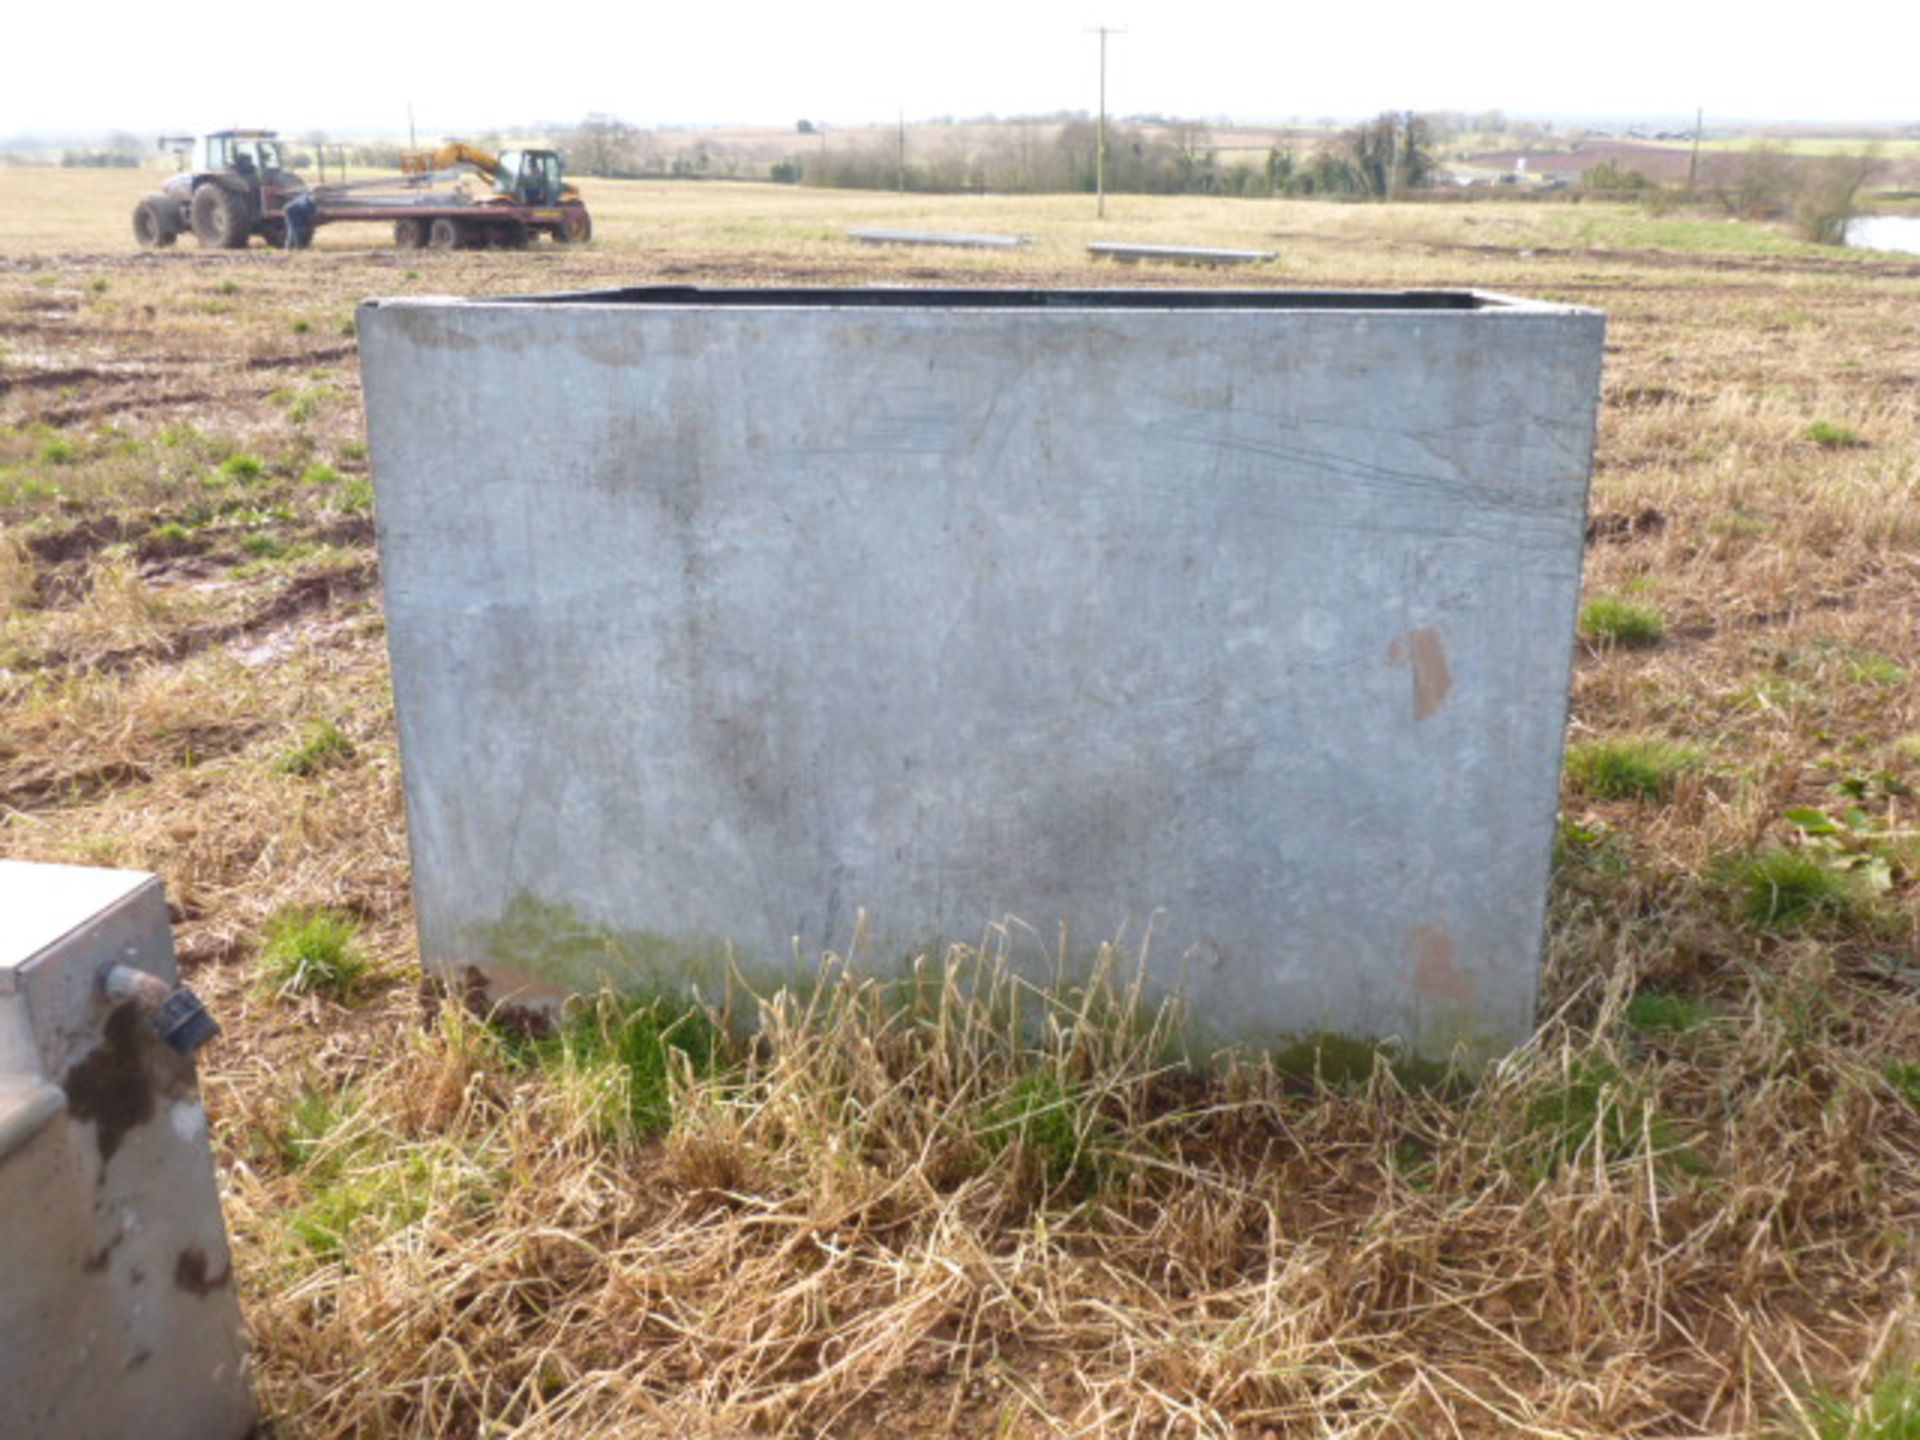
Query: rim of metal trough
[[944, 298]]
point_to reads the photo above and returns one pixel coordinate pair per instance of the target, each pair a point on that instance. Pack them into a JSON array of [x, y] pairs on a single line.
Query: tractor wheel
[[576, 227], [221, 219], [274, 232], [409, 234], [446, 233], [156, 223]]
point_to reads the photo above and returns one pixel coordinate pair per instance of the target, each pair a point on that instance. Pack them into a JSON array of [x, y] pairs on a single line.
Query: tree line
[[1391, 153]]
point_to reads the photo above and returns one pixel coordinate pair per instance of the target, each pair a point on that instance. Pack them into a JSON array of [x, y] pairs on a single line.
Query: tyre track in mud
[[123, 387], [42, 785], [316, 590]]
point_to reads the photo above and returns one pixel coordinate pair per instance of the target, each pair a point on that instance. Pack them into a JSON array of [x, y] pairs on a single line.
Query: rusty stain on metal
[[1432, 679], [1434, 972]]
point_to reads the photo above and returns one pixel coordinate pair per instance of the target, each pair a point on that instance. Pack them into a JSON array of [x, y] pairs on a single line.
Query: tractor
[[233, 185]]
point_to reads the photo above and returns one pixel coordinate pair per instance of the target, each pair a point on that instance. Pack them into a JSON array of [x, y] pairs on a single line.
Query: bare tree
[[1193, 157], [1761, 184], [1828, 195], [603, 145]]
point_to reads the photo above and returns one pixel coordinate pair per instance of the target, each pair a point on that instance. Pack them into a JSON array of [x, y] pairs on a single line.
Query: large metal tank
[[117, 1308], [1239, 619]]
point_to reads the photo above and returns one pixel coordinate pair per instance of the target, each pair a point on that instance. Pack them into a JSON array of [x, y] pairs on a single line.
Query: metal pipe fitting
[[175, 1012]]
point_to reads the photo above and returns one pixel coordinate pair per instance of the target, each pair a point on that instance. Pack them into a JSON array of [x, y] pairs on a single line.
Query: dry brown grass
[[906, 1213]]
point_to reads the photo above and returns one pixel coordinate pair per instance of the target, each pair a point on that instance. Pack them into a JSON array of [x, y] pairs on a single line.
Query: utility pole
[[413, 142], [1100, 155], [1693, 164], [900, 174]]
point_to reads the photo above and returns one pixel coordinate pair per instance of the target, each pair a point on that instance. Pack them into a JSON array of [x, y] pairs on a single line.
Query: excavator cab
[[532, 177]]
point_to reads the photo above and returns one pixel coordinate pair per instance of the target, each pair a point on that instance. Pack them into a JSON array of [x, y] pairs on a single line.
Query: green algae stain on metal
[[1343, 1061], [551, 942], [552, 946]]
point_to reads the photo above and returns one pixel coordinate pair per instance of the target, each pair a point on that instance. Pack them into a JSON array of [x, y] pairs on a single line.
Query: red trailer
[[442, 225]]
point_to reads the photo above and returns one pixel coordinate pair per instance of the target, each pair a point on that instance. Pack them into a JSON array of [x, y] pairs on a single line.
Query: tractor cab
[[253, 157], [531, 177]]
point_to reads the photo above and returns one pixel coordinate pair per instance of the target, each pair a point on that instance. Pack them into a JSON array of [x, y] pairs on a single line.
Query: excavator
[[528, 186], [528, 177]]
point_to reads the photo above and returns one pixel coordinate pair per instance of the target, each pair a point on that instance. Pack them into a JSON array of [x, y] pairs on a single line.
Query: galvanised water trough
[[1242, 621]]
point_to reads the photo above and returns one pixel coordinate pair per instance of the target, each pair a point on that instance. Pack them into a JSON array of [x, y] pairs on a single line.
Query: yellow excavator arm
[[425, 162], [458, 152]]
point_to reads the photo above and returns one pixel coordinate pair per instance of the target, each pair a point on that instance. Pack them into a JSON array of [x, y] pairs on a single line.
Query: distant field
[[701, 224], [1669, 161], [1893, 149], [1691, 1208]]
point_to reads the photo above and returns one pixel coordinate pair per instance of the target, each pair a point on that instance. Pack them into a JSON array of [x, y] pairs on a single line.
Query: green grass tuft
[[310, 1120], [1631, 767], [1834, 437], [58, 452], [1059, 1130], [1656, 1012], [320, 474], [1595, 1107], [364, 1206], [1869, 667], [325, 745], [1568, 1117], [355, 1181], [623, 1051], [1591, 845], [242, 468], [1788, 891], [1622, 623], [1890, 1412], [356, 497], [1903, 1077], [312, 952]]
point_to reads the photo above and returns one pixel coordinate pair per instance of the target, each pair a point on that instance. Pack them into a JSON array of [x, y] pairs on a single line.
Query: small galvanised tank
[[1243, 619], [117, 1309]]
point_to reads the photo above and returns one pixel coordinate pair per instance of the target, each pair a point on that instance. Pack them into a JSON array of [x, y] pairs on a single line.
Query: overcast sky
[[149, 67]]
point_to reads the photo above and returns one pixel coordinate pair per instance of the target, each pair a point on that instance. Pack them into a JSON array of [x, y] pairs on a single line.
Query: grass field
[[1689, 1208]]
